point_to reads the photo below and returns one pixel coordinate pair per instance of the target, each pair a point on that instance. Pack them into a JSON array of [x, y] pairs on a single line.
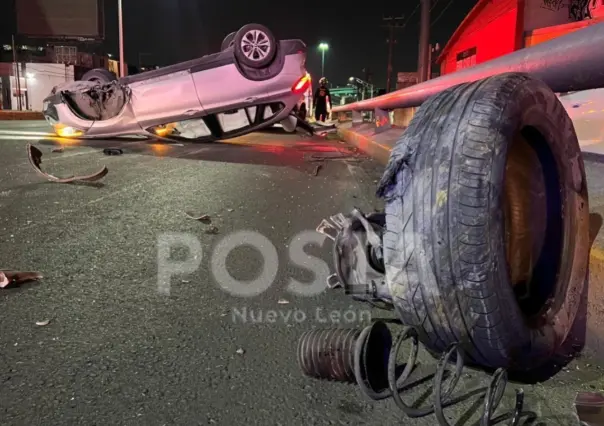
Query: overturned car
[[253, 82]]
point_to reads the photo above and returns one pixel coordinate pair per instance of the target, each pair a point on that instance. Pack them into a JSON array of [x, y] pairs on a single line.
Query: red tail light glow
[[302, 84]]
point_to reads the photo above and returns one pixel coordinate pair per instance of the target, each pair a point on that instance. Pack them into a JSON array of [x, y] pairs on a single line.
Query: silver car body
[[209, 98]]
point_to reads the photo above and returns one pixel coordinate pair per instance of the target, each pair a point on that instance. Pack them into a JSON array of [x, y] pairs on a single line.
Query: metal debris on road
[[58, 150], [590, 408], [203, 218], [113, 151], [35, 159], [212, 230], [9, 278], [333, 281], [240, 351], [43, 323], [334, 155], [283, 302], [230, 210]]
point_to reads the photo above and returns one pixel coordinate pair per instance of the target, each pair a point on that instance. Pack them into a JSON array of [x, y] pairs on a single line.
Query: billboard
[[60, 19]]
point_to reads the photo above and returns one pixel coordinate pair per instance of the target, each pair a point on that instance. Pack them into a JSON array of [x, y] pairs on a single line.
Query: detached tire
[[486, 197], [255, 46], [101, 75]]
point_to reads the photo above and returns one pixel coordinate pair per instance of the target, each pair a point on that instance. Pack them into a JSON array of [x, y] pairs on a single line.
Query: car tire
[[259, 37], [448, 183], [228, 41], [100, 75]]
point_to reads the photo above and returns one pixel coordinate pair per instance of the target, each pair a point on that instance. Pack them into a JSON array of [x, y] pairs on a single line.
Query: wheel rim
[[255, 45]]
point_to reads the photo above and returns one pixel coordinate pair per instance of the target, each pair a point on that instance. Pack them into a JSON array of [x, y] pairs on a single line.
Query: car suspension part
[[368, 356]]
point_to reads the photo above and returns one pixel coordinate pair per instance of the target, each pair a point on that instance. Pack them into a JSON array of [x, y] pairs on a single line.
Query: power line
[[442, 12], [415, 11], [412, 13]]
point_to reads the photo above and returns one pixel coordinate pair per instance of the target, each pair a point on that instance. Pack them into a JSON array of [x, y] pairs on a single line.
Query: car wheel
[[228, 41], [487, 219], [100, 75], [255, 46]]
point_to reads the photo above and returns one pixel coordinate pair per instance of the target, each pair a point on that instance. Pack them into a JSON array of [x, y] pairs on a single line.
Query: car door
[[224, 88], [165, 99]]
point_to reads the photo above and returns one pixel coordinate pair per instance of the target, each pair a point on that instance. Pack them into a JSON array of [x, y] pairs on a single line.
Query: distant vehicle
[[252, 83]]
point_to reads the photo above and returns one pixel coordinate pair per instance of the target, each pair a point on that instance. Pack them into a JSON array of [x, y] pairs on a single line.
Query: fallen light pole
[[569, 63]]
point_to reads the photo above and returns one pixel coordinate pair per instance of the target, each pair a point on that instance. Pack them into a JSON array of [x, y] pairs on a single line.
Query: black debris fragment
[[16, 278], [113, 151]]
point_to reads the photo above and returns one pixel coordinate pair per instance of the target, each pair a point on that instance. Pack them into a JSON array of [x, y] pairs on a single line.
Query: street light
[[323, 47], [362, 83]]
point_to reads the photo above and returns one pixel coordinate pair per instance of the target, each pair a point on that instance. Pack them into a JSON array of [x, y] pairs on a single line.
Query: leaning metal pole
[[569, 63]]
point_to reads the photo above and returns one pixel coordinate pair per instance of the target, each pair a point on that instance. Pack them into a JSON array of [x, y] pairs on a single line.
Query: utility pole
[[120, 19], [424, 42], [392, 24], [17, 75]]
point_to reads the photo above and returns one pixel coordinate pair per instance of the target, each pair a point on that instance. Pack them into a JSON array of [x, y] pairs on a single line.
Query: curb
[[364, 138], [21, 115], [366, 143]]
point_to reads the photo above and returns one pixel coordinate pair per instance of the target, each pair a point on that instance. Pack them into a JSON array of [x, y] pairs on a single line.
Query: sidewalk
[[378, 146], [20, 115]]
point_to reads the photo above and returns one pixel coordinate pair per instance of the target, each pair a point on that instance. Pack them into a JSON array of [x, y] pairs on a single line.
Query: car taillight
[[302, 84]]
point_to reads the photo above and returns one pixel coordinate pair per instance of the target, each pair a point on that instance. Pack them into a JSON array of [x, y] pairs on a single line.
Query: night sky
[[168, 31]]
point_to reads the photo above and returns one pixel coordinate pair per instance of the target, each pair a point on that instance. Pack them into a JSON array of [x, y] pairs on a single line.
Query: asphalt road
[[118, 350]]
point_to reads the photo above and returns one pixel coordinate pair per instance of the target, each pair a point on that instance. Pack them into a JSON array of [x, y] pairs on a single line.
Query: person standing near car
[[321, 99]]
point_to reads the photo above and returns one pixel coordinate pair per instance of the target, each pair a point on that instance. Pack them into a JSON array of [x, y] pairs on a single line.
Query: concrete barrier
[[21, 115]]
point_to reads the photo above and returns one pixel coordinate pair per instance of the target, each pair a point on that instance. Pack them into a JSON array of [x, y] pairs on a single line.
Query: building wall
[[38, 80], [545, 13], [491, 33], [545, 34]]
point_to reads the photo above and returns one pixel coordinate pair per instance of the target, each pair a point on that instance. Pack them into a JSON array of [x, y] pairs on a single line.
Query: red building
[[497, 27]]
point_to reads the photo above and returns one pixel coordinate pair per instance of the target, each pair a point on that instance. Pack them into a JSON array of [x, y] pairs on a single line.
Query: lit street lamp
[[323, 47], [365, 86]]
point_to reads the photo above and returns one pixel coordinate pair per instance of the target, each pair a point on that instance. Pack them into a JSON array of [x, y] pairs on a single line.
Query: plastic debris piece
[[317, 168], [283, 302], [203, 218], [43, 323], [230, 210], [35, 159], [9, 278], [240, 351], [113, 151]]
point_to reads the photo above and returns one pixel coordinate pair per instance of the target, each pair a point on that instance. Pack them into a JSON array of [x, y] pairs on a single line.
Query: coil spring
[[352, 355]]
